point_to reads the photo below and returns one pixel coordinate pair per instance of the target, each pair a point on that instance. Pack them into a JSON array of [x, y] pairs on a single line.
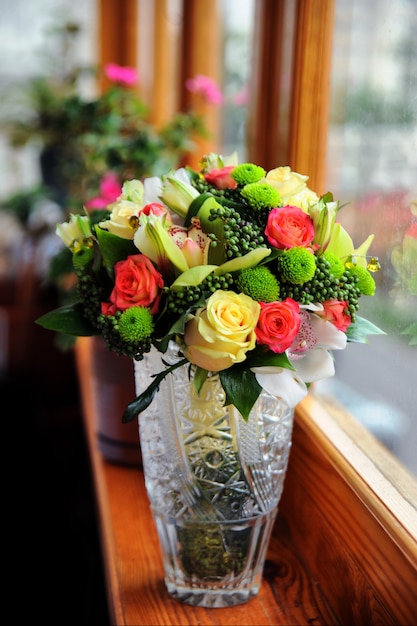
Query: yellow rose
[[220, 334], [292, 187]]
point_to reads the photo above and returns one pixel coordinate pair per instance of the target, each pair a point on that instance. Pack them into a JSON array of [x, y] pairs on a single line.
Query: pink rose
[[278, 324], [137, 283], [288, 227], [221, 178], [156, 208], [335, 312]]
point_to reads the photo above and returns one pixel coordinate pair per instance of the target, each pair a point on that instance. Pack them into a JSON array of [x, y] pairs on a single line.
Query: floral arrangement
[[248, 271]]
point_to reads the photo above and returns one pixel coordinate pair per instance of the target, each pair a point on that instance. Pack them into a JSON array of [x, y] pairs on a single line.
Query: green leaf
[[194, 207], [113, 248], [261, 358], [241, 388], [358, 331], [142, 402], [200, 376], [68, 320], [412, 331]]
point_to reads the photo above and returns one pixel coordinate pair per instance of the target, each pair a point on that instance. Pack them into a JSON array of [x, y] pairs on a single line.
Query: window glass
[[237, 44], [372, 166], [29, 48]]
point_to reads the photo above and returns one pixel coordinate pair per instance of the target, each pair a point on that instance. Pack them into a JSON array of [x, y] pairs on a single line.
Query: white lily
[[75, 230], [177, 192], [153, 240], [281, 382], [323, 215]]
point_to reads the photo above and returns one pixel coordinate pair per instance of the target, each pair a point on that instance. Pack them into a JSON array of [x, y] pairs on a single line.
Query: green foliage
[[68, 320]]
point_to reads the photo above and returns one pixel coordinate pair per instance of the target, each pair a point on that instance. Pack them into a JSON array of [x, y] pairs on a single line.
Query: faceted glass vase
[[214, 482]]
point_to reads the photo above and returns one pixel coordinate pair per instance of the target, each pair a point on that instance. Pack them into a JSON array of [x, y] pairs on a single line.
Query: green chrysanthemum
[[261, 195], [246, 173], [336, 265], [297, 265], [366, 283], [82, 256], [136, 324], [259, 284]]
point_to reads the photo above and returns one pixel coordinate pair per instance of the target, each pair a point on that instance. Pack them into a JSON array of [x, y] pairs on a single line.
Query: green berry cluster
[[225, 197], [324, 286], [181, 300], [90, 294], [240, 236]]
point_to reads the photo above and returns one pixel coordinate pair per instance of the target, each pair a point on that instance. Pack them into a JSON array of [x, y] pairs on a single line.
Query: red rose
[[108, 308], [137, 283], [278, 324], [335, 312], [221, 178], [288, 227]]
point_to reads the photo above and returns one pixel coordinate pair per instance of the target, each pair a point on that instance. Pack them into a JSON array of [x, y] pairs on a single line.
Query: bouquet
[[248, 272]]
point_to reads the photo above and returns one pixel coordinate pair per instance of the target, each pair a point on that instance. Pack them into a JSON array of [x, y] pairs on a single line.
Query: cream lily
[[75, 230], [177, 193]]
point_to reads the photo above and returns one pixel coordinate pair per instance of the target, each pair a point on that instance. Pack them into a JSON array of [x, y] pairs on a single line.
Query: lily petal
[[328, 336], [315, 365], [282, 383]]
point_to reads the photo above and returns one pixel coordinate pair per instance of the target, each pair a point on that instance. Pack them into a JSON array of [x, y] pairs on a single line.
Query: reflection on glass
[[372, 165]]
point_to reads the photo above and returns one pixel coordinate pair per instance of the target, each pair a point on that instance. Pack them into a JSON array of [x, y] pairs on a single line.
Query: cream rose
[[221, 333], [292, 187], [123, 220]]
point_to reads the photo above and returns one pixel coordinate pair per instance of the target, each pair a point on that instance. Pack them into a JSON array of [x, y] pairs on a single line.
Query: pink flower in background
[[206, 87], [122, 75], [110, 190]]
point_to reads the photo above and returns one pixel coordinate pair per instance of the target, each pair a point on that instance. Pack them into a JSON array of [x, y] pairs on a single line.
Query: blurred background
[[338, 103]]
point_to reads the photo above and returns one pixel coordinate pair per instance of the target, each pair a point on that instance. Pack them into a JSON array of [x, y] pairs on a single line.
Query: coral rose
[[288, 227], [335, 312], [137, 283], [278, 324]]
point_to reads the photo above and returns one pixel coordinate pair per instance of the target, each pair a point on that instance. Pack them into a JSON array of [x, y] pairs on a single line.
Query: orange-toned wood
[[356, 528], [311, 90], [117, 34], [166, 51], [201, 54], [270, 83], [134, 574]]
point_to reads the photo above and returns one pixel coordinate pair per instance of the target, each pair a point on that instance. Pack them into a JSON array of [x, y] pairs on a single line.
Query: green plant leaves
[[241, 388], [113, 248], [361, 328], [68, 320]]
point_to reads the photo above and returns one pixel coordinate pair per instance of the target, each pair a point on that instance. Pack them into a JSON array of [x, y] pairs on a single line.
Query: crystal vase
[[214, 483]]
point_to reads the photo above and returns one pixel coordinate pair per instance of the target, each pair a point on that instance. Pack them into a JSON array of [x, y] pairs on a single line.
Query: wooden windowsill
[[344, 548]]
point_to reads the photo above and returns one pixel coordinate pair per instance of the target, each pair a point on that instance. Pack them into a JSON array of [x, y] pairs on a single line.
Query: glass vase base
[[213, 599], [214, 563]]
